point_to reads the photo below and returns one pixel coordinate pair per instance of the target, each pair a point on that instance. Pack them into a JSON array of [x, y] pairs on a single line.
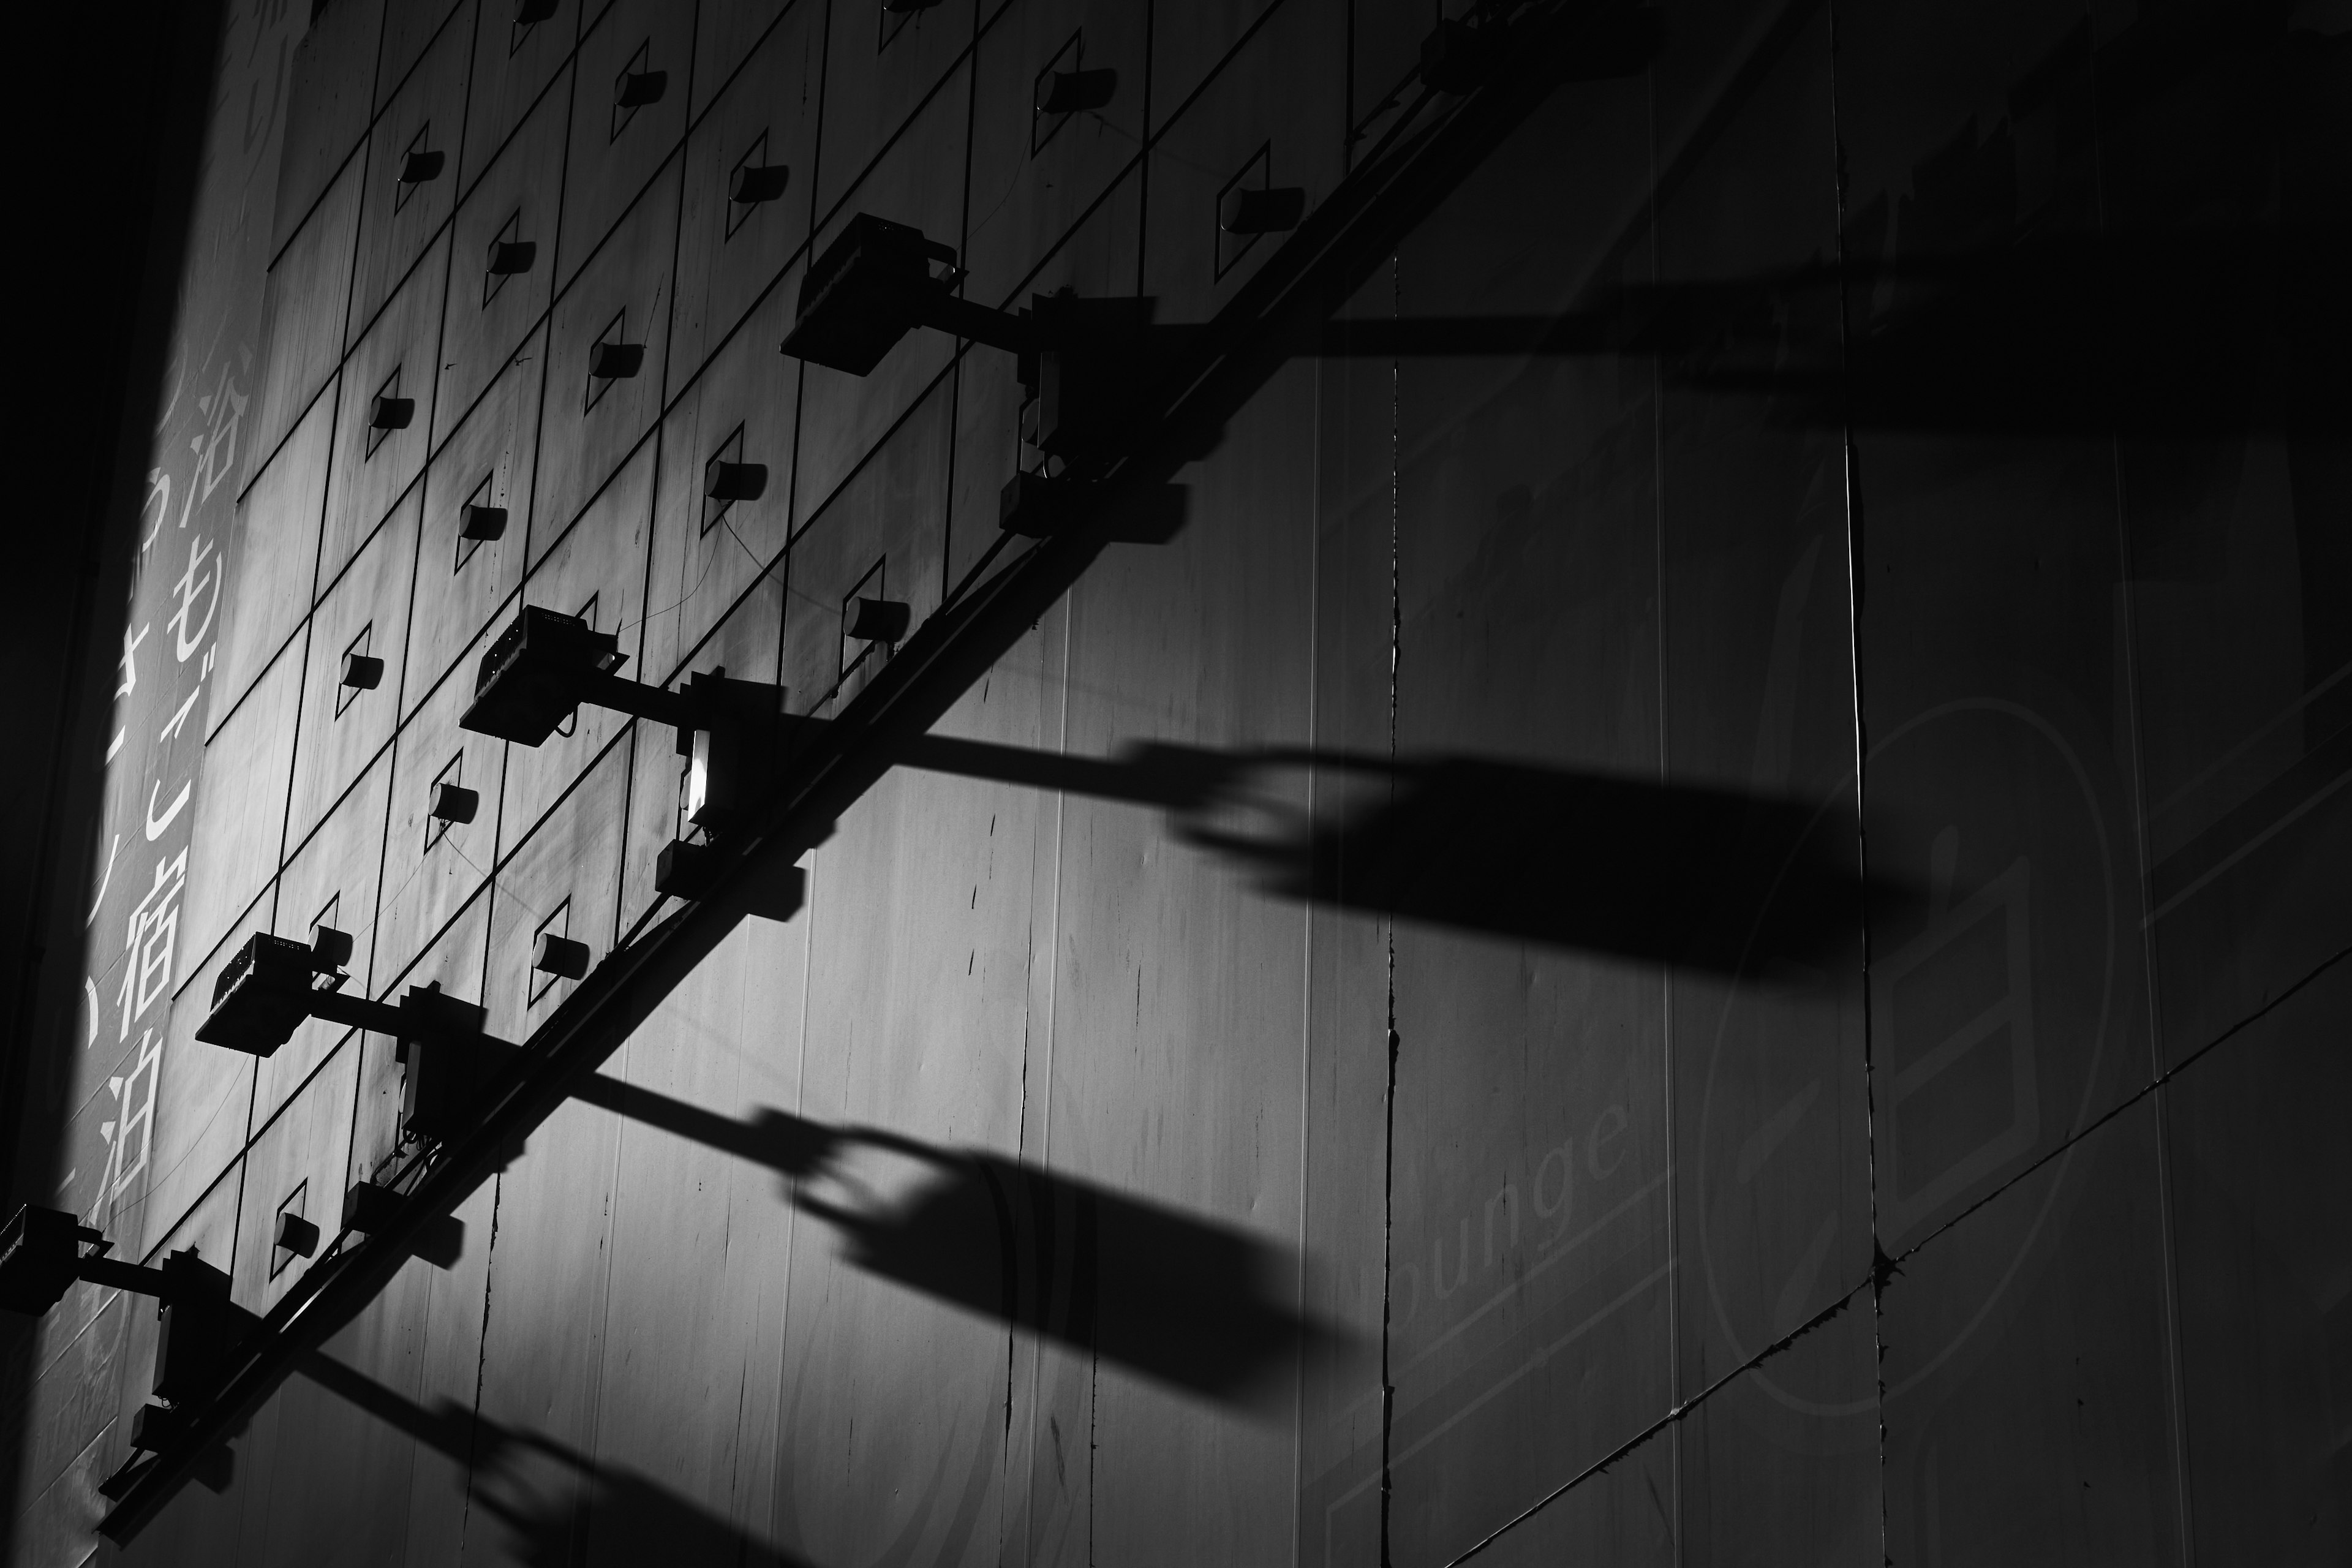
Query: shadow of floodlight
[[1181, 1300], [2196, 332], [549, 1496], [1712, 879]]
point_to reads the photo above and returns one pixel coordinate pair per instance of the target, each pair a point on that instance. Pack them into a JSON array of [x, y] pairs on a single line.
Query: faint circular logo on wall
[[1994, 930]]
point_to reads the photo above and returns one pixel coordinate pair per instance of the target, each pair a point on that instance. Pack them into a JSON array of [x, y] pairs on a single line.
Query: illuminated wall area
[[1651, 706]]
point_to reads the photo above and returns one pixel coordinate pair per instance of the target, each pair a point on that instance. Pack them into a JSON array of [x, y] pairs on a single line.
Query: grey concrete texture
[[1769, 982]]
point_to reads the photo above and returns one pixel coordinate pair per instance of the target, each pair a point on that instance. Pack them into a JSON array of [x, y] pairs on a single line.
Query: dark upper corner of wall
[[121, 184]]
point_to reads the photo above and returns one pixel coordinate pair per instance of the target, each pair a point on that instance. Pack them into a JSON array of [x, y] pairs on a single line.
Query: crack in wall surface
[[1388, 1181], [1881, 1269]]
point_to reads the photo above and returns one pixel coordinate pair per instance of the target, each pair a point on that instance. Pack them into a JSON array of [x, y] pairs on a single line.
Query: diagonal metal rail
[[1280, 314]]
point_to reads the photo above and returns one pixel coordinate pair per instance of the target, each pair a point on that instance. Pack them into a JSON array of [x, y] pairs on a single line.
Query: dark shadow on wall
[[2208, 330], [1183, 1300], [1710, 879], [117, 106], [551, 1500]]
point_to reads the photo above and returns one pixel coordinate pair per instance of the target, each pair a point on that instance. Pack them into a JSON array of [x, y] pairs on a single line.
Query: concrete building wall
[[1960, 1183]]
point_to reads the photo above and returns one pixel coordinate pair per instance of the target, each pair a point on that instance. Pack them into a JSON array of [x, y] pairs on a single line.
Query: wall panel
[[879, 538], [518, 199], [2261, 1302], [295, 1165], [344, 728], [431, 869], [589, 423], [1037, 177], [518, 74], [728, 252], [277, 556], [2051, 1390], [1282, 95], [326, 108], [1178, 1066], [709, 554], [490, 460], [376, 456], [686, 1344], [208, 1091], [398, 218], [411, 27], [882, 75], [565, 880], [307, 304], [615, 148], [241, 803]]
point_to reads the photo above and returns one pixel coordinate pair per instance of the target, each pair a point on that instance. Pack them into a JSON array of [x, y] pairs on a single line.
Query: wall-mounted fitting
[[1458, 57], [43, 1251], [881, 620], [1038, 506], [560, 956], [1033, 506], [615, 361], [727, 482], [455, 803], [444, 1058], [635, 89], [1272, 210], [200, 1326], [548, 663], [330, 950], [155, 1427], [481, 523], [509, 258], [683, 870], [731, 748], [530, 12], [297, 1236], [368, 1208], [388, 412], [1085, 362], [362, 672], [1095, 358], [902, 7], [754, 183], [420, 168], [1075, 93]]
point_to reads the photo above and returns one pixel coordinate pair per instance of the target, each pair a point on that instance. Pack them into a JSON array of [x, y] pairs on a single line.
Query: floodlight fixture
[[877, 283], [538, 670], [273, 983], [43, 1251], [264, 991]]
